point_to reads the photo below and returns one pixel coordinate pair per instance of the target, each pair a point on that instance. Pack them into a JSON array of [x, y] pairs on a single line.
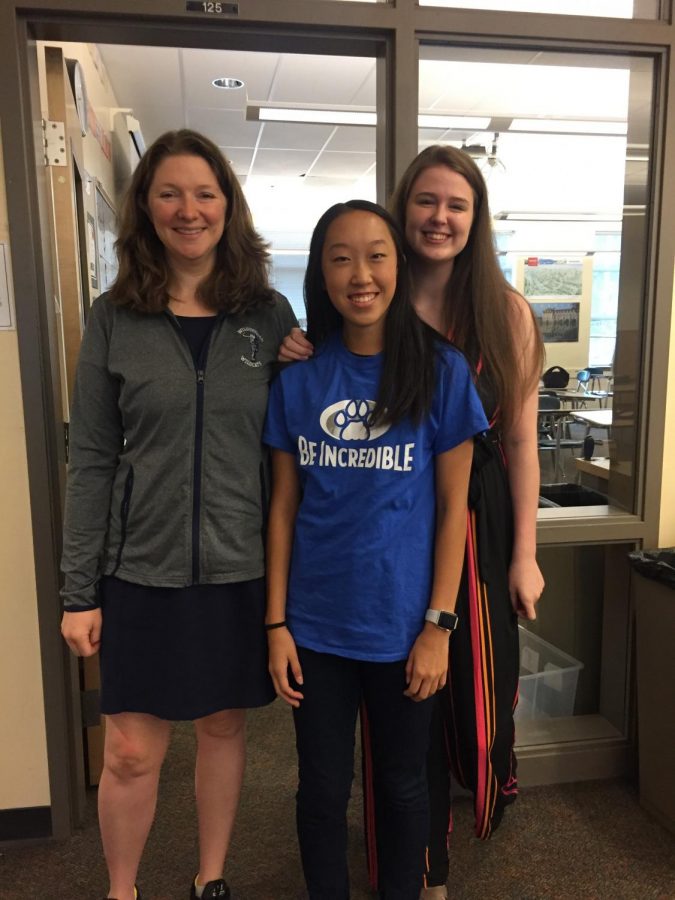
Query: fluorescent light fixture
[[346, 116], [455, 123], [310, 116], [327, 116], [514, 216], [569, 126]]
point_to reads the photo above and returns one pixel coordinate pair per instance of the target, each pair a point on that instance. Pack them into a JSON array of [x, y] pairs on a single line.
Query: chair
[[547, 423], [550, 431], [595, 375], [583, 377]]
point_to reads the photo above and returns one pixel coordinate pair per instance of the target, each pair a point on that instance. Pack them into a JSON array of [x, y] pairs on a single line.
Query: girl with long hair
[[163, 554], [459, 290], [372, 445]]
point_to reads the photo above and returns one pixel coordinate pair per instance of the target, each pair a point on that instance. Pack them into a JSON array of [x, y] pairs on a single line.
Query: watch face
[[448, 620], [443, 619]]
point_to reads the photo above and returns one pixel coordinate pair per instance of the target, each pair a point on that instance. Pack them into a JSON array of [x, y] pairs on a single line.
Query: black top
[[196, 330]]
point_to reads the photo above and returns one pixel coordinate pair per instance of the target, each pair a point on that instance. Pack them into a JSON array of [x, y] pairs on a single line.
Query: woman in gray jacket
[[163, 553]]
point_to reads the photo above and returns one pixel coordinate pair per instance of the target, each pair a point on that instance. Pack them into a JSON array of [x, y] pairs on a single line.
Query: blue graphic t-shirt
[[362, 561]]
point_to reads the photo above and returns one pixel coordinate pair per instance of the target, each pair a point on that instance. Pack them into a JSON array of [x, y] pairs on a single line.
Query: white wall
[[24, 780]]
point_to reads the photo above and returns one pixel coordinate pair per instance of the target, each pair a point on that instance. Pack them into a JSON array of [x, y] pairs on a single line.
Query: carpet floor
[[588, 841]]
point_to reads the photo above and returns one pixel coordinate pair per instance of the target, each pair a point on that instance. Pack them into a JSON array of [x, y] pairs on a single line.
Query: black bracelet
[[274, 625]]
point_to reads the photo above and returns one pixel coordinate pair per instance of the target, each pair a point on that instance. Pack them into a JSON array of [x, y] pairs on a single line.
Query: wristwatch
[[446, 620]]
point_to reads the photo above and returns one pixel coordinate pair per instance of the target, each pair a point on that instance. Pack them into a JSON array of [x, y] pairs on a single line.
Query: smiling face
[[438, 216], [187, 208], [359, 266]]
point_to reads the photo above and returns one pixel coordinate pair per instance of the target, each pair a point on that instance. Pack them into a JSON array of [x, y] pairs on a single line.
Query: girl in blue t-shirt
[[372, 442]]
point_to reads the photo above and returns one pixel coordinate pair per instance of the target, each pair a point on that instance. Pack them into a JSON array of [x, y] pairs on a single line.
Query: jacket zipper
[[197, 471], [200, 377]]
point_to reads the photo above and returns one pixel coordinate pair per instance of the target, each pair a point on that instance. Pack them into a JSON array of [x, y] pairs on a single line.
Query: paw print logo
[[353, 421], [350, 420]]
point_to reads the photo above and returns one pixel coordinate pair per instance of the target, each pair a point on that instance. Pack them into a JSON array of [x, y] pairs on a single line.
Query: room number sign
[[212, 7]]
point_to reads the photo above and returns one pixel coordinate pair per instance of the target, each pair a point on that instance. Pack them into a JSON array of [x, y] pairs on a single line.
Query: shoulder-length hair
[[481, 309], [239, 279], [409, 359]]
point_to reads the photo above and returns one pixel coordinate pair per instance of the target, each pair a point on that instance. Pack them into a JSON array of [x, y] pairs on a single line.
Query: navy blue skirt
[[183, 653]]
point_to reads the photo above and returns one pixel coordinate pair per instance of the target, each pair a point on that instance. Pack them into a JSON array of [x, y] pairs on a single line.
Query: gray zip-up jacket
[[167, 473]]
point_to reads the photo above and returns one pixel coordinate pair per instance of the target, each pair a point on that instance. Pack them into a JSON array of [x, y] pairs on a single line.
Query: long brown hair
[[239, 279], [478, 299]]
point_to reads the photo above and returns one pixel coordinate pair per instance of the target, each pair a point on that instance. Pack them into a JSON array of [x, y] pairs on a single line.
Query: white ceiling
[[170, 88], [308, 167]]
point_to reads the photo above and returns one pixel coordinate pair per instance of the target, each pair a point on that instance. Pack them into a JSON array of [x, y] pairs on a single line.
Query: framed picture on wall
[[106, 233], [555, 278], [92, 251], [558, 322], [554, 289]]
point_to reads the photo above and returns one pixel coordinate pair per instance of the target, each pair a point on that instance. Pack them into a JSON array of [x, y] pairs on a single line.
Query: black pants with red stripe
[[472, 733], [473, 730]]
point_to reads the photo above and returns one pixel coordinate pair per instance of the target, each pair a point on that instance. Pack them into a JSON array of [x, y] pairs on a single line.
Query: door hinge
[[66, 439], [54, 142]]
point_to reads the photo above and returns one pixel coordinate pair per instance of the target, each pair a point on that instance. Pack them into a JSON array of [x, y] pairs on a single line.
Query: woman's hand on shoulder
[[295, 346], [82, 631], [283, 658], [427, 668], [526, 584]]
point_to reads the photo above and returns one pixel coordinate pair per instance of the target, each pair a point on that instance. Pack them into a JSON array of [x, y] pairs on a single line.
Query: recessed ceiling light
[[228, 84]]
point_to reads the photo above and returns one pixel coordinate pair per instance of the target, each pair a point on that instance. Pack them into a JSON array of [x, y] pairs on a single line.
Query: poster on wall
[[554, 278], [92, 253], [106, 235], [553, 288], [558, 322]]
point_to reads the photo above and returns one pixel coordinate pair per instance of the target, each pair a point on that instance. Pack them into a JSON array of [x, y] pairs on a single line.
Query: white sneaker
[[434, 893]]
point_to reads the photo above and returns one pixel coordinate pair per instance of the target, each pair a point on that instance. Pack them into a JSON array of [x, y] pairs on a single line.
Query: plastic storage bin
[[548, 679], [567, 494]]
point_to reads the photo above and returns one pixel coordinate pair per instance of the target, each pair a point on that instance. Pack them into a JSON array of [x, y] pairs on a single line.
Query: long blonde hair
[[478, 299]]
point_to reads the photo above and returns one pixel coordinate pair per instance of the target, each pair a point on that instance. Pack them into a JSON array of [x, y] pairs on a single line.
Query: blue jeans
[[325, 726]]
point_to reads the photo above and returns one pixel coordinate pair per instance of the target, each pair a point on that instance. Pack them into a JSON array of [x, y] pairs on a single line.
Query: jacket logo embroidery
[[255, 339]]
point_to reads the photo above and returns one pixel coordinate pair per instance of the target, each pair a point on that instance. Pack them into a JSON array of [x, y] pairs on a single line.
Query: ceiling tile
[[343, 165], [200, 67], [240, 159], [155, 119], [227, 128], [138, 71], [294, 136], [353, 137], [289, 163], [319, 79]]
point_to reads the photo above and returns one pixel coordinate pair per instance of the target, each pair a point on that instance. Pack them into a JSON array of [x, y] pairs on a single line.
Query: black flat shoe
[[138, 894], [213, 890]]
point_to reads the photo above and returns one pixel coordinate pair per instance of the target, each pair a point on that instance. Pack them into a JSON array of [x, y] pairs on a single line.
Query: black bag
[[656, 564], [556, 377]]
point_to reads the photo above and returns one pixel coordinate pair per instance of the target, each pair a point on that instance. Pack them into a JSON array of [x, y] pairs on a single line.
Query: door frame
[[388, 32], [28, 210]]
